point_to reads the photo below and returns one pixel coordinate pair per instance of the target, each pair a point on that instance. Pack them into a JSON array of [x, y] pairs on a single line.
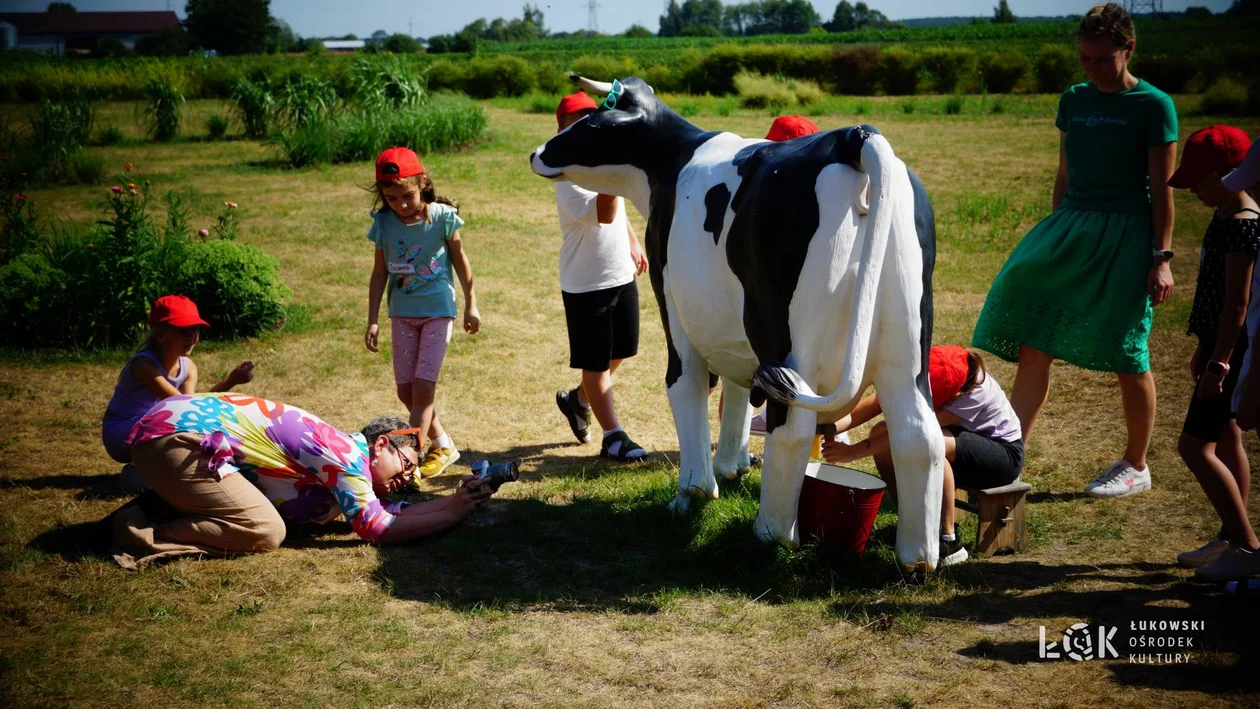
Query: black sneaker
[[579, 416], [952, 552]]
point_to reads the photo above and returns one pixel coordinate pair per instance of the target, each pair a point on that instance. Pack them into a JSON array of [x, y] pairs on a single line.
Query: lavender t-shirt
[[986, 411]]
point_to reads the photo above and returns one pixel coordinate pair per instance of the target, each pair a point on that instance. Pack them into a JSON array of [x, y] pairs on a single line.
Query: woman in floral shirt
[[235, 467]]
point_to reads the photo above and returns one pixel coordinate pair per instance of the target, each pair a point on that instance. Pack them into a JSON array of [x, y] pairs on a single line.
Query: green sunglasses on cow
[[611, 101]]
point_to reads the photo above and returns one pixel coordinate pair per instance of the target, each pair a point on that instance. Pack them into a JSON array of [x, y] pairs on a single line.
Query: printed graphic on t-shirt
[[411, 270], [1096, 119]]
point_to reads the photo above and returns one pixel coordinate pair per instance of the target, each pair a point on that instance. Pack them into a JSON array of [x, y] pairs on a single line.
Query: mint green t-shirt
[[1106, 140], [418, 262]]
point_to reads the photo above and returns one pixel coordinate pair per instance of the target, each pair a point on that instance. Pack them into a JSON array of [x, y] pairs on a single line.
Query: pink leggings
[[419, 346]]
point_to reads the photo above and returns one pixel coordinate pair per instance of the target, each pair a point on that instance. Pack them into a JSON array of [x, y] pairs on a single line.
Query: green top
[[418, 262], [1106, 139]]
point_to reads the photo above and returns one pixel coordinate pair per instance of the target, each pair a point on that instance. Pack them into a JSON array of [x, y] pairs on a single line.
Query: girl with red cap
[[983, 444], [162, 368], [1211, 441], [418, 244]]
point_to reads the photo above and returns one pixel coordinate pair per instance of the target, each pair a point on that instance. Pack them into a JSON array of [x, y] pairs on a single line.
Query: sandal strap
[[627, 446]]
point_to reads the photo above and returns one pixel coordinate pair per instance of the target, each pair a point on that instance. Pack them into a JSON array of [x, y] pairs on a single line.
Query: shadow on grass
[[984, 589], [76, 542], [624, 552], [90, 487]]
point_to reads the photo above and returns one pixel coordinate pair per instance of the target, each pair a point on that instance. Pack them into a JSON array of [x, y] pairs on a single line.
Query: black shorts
[[1206, 419], [603, 326], [981, 462]]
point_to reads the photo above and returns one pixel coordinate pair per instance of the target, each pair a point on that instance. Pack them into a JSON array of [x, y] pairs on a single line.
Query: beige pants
[[215, 517]]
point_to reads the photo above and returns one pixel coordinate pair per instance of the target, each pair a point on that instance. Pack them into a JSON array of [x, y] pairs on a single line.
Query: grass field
[[575, 586]]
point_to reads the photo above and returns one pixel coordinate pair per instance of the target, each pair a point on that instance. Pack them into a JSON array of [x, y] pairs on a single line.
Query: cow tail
[[785, 385]]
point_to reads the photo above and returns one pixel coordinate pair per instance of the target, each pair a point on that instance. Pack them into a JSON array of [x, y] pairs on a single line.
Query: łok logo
[[1078, 642]]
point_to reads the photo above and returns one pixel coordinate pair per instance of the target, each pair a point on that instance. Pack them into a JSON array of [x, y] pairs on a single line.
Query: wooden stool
[[1001, 513]]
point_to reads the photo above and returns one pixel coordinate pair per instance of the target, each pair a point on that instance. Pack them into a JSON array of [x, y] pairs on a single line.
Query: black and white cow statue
[[787, 269]]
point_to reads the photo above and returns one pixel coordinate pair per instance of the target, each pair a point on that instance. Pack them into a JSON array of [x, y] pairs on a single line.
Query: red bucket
[[838, 506]]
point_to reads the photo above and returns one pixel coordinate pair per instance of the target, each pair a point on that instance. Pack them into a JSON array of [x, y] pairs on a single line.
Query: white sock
[[580, 401], [615, 448], [947, 537], [612, 431], [444, 441]]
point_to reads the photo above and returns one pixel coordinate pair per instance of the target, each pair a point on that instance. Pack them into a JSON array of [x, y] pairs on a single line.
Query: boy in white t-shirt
[[599, 260]]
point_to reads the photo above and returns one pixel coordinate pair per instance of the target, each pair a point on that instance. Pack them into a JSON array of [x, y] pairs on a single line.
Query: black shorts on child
[[603, 326], [1206, 419], [981, 462]]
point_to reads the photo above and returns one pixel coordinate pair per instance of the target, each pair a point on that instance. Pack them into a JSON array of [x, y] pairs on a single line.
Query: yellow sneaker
[[437, 460]]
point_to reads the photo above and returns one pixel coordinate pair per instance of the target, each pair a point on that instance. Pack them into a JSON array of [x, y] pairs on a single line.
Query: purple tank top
[[131, 398]]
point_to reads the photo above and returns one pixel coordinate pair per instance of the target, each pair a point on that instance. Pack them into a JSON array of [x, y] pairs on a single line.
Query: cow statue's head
[[617, 149]]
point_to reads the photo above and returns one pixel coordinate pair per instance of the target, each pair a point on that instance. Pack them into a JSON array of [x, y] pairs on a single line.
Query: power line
[[592, 18]]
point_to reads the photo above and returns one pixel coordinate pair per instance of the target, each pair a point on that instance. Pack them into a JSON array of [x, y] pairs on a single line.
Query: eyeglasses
[[408, 464], [611, 101]]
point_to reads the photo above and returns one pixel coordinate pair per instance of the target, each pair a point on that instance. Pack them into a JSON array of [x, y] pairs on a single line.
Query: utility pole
[[592, 18]]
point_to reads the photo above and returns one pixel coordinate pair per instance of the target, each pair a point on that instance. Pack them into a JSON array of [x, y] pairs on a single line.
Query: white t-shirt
[[593, 256], [985, 410]]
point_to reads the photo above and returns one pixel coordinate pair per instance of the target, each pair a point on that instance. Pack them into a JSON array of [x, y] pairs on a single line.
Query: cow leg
[[731, 460], [918, 453], [689, 400], [782, 474]]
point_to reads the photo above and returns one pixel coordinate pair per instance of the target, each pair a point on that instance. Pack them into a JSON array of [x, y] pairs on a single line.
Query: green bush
[[253, 106], [93, 288], [305, 100], [31, 291], [757, 91], [1001, 72], [87, 169], [1056, 69], [162, 117], [504, 75], [947, 66], [854, 71], [445, 75], [237, 288], [604, 67], [954, 105], [899, 71], [386, 83], [1168, 74], [109, 135], [443, 123], [216, 126], [1226, 97], [58, 131]]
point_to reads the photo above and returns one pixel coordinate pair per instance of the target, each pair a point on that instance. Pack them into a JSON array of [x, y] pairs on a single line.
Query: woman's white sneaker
[[1120, 480]]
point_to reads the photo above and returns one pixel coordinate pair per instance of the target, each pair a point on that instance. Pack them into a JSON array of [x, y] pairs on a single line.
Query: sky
[[325, 18]]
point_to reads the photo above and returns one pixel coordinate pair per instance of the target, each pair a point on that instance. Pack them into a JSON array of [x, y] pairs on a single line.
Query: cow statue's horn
[[597, 88]]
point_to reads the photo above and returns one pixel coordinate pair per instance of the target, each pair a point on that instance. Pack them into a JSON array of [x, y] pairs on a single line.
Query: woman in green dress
[[1080, 285]]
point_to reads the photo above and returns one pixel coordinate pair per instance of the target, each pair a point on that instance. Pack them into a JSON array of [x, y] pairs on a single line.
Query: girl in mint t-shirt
[[418, 246], [1080, 285]]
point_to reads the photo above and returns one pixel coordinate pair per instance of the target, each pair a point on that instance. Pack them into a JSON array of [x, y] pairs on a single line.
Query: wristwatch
[[1217, 369], [1165, 254]]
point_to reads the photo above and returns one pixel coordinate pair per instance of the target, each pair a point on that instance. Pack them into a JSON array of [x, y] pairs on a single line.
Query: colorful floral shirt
[[308, 469]]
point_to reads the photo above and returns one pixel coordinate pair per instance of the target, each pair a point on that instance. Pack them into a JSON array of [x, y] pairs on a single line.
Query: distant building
[[75, 32], [348, 46]]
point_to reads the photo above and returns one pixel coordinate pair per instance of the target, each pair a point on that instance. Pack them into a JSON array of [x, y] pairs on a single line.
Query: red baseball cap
[[397, 163], [574, 103], [789, 127], [1208, 150], [176, 311], [947, 372]]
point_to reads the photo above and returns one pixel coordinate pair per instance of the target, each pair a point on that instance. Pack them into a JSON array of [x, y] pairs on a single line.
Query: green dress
[[1075, 286]]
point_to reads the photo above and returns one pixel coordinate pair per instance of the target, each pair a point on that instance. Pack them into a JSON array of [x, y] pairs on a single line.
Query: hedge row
[[846, 69]]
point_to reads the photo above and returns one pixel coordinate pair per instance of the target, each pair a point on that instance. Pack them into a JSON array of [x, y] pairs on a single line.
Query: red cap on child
[[789, 127], [947, 372], [396, 163], [574, 103], [1208, 150], [176, 311]]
